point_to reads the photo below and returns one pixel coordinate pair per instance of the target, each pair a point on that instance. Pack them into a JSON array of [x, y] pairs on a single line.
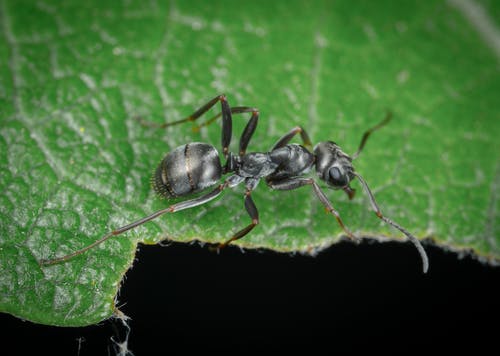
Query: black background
[[349, 299]]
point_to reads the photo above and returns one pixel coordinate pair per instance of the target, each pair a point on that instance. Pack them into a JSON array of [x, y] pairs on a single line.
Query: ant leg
[[171, 209], [286, 138], [254, 215], [368, 132], [194, 116], [294, 183], [227, 120], [249, 128], [226, 114], [234, 110], [378, 212]]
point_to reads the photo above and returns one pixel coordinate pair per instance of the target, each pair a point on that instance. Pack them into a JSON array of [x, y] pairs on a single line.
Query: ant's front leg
[[294, 183], [283, 141]]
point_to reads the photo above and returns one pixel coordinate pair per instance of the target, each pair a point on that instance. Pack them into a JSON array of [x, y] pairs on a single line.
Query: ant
[[196, 166]]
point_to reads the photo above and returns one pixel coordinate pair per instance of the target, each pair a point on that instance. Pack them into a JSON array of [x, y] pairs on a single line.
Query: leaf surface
[[75, 165]]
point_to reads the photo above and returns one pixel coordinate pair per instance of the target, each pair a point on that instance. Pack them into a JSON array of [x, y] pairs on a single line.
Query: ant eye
[[336, 177]]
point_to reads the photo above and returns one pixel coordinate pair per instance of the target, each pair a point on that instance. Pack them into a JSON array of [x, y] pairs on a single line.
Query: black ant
[[196, 166]]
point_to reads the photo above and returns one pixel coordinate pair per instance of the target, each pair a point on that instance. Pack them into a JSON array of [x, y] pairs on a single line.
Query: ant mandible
[[196, 166]]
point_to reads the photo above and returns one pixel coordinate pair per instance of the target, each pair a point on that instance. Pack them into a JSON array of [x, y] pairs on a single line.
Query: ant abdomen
[[187, 169]]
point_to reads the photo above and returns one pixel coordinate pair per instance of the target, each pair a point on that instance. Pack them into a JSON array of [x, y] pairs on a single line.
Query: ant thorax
[[255, 165]]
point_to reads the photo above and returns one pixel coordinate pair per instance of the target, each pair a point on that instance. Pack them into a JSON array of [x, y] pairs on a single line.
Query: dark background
[[372, 298]]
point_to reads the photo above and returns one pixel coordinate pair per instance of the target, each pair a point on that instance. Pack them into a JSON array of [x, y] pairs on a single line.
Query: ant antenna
[[367, 134], [413, 239]]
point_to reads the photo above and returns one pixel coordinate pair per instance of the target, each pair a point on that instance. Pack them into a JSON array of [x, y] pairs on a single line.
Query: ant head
[[334, 166]]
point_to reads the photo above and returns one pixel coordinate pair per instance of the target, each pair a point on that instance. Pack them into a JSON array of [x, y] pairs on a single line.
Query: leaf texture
[[75, 164]]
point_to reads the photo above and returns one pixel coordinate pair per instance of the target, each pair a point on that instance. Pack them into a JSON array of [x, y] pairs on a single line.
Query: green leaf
[[75, 165]]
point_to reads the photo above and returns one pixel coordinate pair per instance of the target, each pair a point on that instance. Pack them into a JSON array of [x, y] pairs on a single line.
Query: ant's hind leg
[[171, 209], [194, 116], [249, 128], [227, 120]]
